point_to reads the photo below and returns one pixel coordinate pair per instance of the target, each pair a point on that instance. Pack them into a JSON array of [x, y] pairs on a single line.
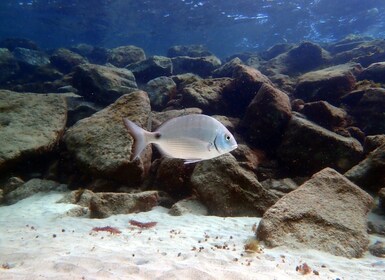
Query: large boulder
[[101, 146], [103, 84], [202, 66], [328, 84], [307, 148], [327, 212], [367, 106], [30, 125], [227, 189], [30, 58], [161, 90], [374, 72], [207, 94], [266, 117], [65, 60], [151, 68], [188, 50], [369, 173], [124, 55]]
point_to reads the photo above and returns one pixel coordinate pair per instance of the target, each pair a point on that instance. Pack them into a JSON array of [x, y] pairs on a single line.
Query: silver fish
[[192, 137]]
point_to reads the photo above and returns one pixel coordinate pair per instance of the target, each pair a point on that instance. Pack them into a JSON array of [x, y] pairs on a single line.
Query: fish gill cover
[[224, 27]]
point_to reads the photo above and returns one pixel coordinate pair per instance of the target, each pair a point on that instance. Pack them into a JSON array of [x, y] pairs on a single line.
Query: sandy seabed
[[39, 241]]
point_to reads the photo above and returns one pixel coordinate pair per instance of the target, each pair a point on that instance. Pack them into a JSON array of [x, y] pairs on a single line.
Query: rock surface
[[124, 55], [103, 84], [306, 149], [151, 68], [202, 66], [369, 174], [30, 125], [101, 145], [266, 117], [226, 189], [327, 212]]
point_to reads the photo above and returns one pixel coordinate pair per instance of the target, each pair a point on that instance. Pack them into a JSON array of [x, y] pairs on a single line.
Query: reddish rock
[[325, 114]]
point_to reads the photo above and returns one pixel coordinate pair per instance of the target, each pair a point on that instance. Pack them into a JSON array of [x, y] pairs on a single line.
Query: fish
[[193, 138]]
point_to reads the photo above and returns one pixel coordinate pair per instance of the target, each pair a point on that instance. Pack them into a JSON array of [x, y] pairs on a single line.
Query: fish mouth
[[234, 146]]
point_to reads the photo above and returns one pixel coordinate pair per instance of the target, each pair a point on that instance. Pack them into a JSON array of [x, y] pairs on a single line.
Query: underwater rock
[[80, 197], [276, 50], [101, 146], [188, 206], [11, 184], [207, 95], [13, 43], [325, 114], [328, 84], [228, 69], [188, 50], [246, 157], [8, 65], [266, 117], [124, 55], [30, 58], [372, 142], [103, 205], [103, 84], [151, 68], [365, 53], [202, 66], [306, 149], [160, 90], [367, 106], [280, 187], [65, 60], [246, 83], [173, 177], [30, 126], [378, 249], [327, 212], [375, 72], [32, 187], [369, 173], [381, 197], [226, 189], [78, 108]]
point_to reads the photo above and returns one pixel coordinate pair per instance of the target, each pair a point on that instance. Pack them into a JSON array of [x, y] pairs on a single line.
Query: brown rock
[[328, 84], [226, 189], [202, 66], [266, 117], [65, 60], [307, 148], [327, 212], [103, 205], [370, 172], [101, 145], [374, 72], [325, 114]]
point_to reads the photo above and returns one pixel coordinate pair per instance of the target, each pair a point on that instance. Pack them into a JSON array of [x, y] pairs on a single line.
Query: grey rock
[[306, 149], [65, 60], [12, 184], [378, 249], [188, 206], [101, 145], [327, 212], [32, 187], [370, 172], [207, 95], [226, 189], [103, 84], [124, 55], [30, 125], [372, 142], [151, 68], [202, 66], [103, 205], [188, 50], [160, 91], [374, 72], [30, 57]]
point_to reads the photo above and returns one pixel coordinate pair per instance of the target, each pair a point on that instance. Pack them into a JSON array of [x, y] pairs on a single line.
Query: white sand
[[28, 249]]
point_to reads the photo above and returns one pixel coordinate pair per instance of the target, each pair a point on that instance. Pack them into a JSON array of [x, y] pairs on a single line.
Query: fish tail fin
[[139, 135]]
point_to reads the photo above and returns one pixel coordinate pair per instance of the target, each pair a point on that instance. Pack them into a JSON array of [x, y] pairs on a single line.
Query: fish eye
[[227, 137]]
